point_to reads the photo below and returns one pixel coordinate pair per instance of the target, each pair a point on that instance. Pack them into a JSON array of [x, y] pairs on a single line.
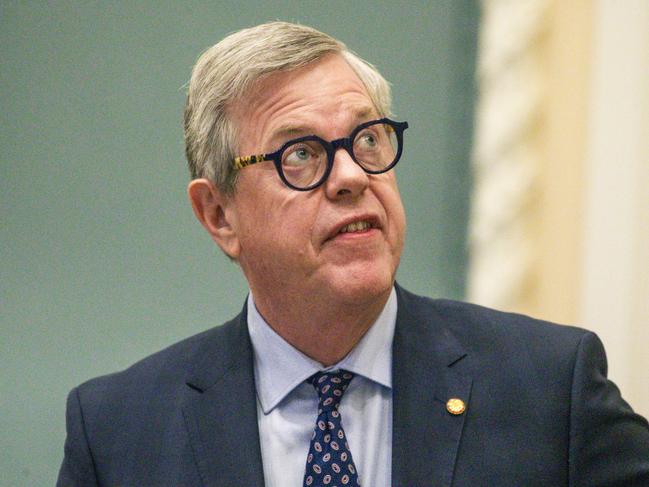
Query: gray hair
[[226, 72]]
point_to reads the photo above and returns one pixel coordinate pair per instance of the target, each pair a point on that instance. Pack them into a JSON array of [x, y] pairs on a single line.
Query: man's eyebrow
[[365, 112], [286, 132], [291, 131]]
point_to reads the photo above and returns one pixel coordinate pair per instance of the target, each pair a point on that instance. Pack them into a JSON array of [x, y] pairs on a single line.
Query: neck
[[326, 330]]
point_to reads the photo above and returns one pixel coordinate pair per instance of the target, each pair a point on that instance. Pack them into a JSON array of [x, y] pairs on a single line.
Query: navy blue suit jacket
[[540, 411]]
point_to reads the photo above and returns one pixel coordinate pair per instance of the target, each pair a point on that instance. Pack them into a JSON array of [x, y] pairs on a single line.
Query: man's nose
[[346, 177]]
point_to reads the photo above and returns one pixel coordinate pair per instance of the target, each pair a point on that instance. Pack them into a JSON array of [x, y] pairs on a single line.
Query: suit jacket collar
[[425, 436], [221, 410]]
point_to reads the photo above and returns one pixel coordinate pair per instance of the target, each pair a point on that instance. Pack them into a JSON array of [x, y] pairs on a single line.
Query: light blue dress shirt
[[287, 406]]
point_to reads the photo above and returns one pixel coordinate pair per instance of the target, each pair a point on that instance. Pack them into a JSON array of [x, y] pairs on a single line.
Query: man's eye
[[297, 156], [367, 141], [302, 154]]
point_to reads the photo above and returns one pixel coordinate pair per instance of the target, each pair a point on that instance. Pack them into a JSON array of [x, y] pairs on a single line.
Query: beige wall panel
[[615, 258], [562, 142]]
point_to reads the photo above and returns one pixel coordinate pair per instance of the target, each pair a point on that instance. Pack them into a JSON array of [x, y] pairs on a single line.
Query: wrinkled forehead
[[324, 98], [324, 92]]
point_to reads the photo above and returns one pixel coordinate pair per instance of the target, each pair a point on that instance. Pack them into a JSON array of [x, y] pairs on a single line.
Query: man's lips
[[353, 225]]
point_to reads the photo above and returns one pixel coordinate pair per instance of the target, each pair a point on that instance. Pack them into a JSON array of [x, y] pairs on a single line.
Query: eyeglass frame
[[331, 148]]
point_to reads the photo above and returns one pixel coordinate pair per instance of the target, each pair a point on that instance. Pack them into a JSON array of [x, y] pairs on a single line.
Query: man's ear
[[215, 210]]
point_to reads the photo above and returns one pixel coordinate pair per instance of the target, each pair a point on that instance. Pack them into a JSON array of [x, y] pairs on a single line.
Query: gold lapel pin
[[455, 406]]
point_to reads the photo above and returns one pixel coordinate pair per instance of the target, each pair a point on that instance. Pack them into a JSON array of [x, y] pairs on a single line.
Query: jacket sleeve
[[609, 443], [77, 469]]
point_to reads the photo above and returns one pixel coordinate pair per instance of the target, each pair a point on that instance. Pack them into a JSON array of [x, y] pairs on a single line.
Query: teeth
[[355, 227]]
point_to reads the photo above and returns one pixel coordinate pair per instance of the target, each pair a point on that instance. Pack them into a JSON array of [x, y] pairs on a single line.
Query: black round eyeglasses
[[306, 162]]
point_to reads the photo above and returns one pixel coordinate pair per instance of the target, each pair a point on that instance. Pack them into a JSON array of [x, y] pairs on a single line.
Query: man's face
[[301, 243]]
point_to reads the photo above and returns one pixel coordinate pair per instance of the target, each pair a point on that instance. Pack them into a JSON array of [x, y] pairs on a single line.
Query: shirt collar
[[279, 367]]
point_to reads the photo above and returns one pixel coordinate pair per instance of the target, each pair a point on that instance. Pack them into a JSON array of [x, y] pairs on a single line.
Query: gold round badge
[[455, 406]]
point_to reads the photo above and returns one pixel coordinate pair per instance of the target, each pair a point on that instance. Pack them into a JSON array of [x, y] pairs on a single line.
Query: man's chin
[[361, 284]]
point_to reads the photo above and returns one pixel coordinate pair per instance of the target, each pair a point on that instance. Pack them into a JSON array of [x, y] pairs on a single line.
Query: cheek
[[389, 196], [277, 229], [398, 231]]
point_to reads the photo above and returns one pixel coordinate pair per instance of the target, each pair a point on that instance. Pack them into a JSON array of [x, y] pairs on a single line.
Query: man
[[332, 374]]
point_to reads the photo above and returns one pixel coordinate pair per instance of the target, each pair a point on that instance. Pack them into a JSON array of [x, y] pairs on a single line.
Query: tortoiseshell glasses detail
[[306, 162]]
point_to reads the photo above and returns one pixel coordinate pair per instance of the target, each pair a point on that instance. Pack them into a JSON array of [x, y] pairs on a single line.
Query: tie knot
[[330, 387]]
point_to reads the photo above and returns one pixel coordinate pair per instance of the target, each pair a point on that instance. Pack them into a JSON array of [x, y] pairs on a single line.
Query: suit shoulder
[[169, 365], [481, 327]]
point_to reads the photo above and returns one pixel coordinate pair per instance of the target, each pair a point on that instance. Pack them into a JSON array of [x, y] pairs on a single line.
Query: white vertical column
[[615, 275], [505, 159]]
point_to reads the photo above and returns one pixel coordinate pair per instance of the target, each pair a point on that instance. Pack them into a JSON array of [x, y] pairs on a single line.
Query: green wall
[[101, 260]]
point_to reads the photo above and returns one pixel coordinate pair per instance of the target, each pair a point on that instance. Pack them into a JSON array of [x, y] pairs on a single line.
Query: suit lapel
[[221, 412], [426, 436]]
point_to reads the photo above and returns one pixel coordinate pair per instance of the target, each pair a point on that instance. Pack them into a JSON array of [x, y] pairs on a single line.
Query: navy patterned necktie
[[329, 462]]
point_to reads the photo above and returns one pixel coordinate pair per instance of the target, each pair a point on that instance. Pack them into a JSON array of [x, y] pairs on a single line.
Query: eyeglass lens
[[374, 149]]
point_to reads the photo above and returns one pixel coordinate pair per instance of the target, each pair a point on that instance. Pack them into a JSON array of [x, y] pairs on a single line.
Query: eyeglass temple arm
[[243, 161]]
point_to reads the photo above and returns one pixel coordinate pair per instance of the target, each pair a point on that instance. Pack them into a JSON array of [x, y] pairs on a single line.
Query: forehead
[[325, 97]]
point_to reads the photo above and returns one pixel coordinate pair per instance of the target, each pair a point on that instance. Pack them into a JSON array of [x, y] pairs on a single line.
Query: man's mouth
[[356, 227]]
